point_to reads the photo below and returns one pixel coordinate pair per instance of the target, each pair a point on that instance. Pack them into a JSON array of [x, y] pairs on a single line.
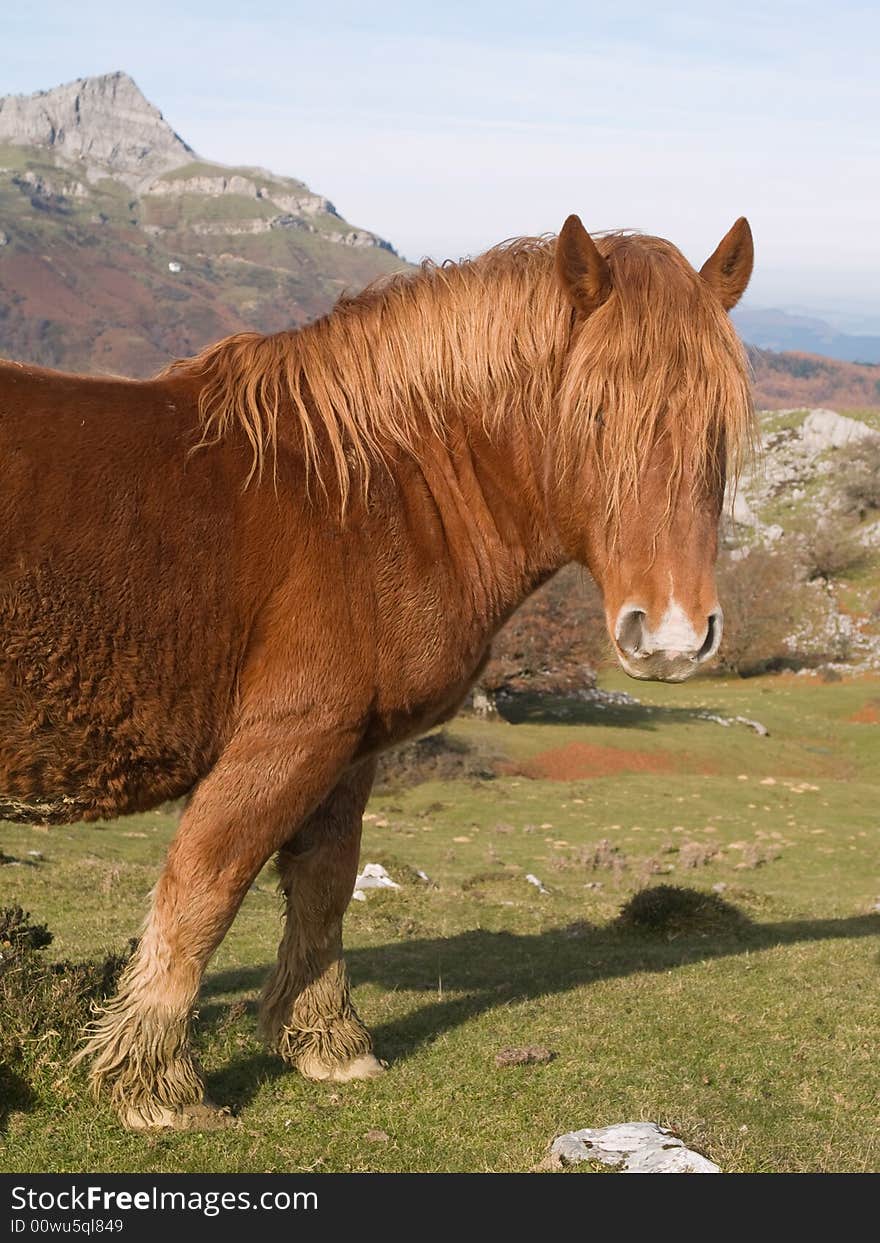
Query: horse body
[[426, 457], [136, 603]]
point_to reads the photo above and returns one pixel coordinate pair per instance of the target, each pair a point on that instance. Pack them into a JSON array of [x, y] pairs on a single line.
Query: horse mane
[[493, 336]]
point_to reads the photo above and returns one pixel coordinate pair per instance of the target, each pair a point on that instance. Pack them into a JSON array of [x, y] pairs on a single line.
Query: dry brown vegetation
[[553, 644]]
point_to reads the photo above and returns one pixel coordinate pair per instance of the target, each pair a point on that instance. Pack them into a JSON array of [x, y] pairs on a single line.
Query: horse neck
[[457, 374], [487, 470], [488, 489]]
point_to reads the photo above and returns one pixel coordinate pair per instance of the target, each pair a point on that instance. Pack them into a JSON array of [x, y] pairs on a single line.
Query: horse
[[244, 579]]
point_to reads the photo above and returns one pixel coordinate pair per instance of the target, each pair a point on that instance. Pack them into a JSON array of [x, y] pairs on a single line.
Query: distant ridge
[[780, 330]]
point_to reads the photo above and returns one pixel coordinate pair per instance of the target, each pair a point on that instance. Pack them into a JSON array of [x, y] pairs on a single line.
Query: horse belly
[[121, 613], [100, 713]]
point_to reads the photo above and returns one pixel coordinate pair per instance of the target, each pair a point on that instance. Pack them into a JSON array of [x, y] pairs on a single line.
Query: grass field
[[755, 1040]]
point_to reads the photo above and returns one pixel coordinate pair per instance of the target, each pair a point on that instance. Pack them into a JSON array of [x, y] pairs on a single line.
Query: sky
[[448, 128]]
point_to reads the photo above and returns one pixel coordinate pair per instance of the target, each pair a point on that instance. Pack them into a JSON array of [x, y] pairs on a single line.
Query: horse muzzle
[[672, 651]]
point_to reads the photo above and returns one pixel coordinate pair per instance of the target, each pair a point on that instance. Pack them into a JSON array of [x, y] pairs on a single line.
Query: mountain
[[780, 330], [121, 248], [795, 380]]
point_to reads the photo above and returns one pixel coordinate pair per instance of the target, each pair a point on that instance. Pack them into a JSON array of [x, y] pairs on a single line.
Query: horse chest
[[430, 696]]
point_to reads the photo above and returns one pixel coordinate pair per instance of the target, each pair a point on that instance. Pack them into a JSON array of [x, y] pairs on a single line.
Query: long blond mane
[[493, 338]]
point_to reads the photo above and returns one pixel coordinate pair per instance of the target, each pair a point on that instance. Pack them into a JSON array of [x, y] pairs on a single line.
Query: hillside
[[803, 547], [787, 380], [121, 248]]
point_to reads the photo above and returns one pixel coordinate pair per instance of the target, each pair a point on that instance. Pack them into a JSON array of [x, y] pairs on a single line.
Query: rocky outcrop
[[106, 122], [792, 458], [51, 187], [282, 205], [796, 499], [826, 429], [301, 204], [210, 185], [360, 237]]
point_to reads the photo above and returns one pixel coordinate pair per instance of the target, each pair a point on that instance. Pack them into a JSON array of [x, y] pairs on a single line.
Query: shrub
[[829, 550], [43, 1006], [672, 910], [436, 757], [773, 617], [551, 645], [858, 467], [759, 593]]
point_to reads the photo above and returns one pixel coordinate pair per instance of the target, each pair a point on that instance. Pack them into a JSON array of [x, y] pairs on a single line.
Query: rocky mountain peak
[[106, 122]]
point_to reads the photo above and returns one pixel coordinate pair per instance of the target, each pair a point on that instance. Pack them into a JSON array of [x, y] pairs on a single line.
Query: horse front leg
[[307, 1012], [241, 813]]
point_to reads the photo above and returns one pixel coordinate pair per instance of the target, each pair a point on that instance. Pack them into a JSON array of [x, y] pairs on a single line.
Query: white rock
[[373, 876], [742, 511], [760, 729], [826, 429], [636, 1147]]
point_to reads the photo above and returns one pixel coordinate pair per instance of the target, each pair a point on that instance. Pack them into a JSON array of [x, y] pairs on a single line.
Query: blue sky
[[447, 129]]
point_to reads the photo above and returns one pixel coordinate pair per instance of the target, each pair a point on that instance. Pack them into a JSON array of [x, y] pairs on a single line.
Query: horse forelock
[[659, 359], [493, 337]]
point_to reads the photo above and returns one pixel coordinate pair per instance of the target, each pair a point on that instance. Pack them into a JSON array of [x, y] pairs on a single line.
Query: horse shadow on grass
[[571, 710], [486, 970]]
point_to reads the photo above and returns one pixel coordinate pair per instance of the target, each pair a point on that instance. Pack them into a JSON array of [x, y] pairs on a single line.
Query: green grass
[[204, 168], [14, 158], [756, 1043]]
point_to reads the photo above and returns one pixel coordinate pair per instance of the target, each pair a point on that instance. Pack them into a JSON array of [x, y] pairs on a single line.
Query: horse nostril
[[630, 631], [713, 636]]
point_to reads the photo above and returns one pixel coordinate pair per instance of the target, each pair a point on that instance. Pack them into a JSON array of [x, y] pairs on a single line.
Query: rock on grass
[[631, 1148]]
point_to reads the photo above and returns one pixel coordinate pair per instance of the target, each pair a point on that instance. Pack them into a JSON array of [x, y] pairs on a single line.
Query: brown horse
[[245, 578]]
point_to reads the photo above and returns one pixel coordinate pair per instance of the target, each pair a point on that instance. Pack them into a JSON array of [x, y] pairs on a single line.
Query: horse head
[[655, 397]]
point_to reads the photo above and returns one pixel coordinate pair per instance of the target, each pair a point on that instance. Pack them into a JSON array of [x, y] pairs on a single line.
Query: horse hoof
[[197, 1117], [366, 1066]]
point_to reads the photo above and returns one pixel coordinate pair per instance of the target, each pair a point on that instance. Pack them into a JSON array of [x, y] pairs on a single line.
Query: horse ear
[[584, 274], [728, 268]]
